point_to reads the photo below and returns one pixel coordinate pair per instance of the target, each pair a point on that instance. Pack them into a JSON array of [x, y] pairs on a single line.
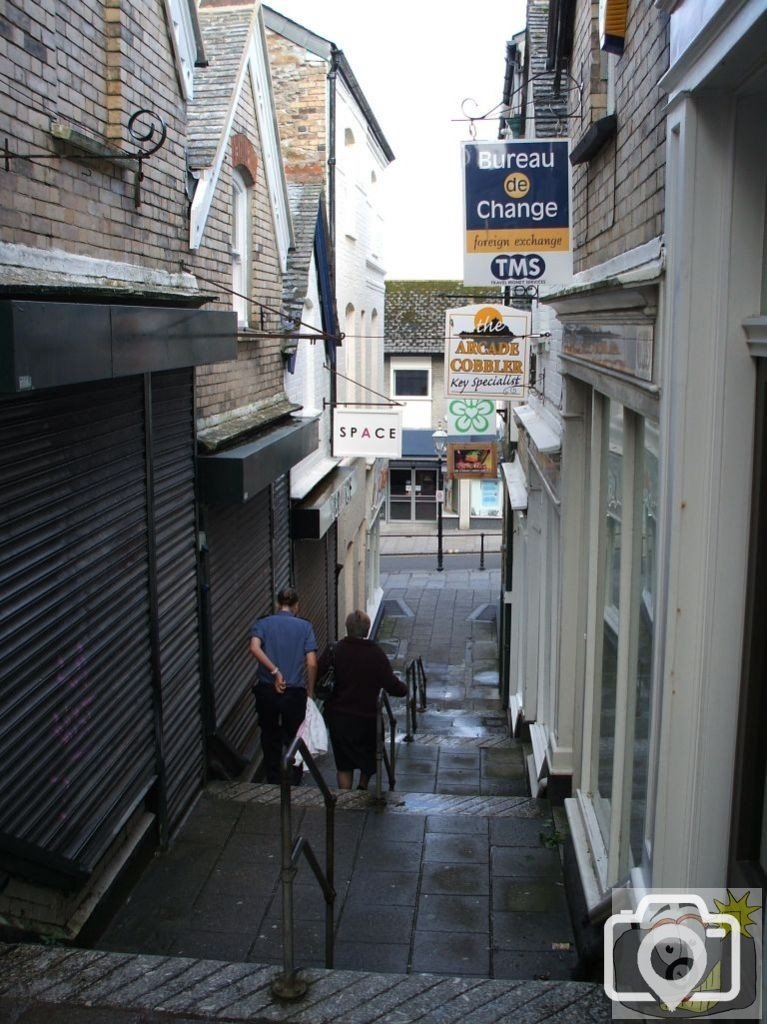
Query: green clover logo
[[472, 415]]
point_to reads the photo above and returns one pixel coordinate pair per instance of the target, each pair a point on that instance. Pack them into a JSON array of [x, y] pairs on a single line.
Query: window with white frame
[[241, 247], [411, 384], [624, 481]]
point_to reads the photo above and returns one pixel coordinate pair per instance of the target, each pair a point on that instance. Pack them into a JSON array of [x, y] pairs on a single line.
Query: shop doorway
[[412, 494], [748, 859]]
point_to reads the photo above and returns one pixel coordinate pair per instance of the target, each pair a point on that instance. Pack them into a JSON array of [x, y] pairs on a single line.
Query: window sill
[[598, 134]]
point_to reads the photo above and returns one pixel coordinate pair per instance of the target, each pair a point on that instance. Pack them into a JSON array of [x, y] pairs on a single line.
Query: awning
[[236, 475], [321, 507], [545, 438], [52, 344], [516, 485]]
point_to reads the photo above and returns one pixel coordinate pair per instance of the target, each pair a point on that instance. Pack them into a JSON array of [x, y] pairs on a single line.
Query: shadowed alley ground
[[457, 876]]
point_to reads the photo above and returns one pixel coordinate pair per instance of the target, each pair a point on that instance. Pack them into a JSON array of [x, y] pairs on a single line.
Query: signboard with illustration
[[471, 417], [472, 461], [517, 212], [486, 352], [368, 433]]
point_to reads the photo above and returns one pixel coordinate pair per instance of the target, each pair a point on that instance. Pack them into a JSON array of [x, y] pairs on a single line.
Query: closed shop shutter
[[240, 575], [174, 513], [315, 581], [77, 741], [281, 532]]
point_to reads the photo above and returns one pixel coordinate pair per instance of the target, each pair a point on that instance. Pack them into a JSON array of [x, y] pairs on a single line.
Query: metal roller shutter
[[76, 713], [175, 529], [315, 581], [281, 533], [240, 575]]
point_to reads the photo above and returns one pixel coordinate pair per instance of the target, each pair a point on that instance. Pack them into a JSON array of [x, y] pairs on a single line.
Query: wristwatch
[[275, 671]]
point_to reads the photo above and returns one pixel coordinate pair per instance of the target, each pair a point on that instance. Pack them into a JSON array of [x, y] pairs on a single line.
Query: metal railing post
[[411, 723], [288, 985], [381, 757], [421, 675]]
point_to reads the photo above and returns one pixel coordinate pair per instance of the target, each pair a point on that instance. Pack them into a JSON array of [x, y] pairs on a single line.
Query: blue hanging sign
[[517, 212]]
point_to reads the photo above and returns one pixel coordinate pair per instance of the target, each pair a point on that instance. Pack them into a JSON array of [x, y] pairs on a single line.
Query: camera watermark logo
[[685, 955]]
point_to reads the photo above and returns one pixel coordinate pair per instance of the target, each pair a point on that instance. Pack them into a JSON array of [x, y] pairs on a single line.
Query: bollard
[[482, 551]]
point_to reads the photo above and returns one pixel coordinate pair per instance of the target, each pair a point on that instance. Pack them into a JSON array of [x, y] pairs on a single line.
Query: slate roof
[[550, 109], [415, 313], [304, 199], [225, 34]]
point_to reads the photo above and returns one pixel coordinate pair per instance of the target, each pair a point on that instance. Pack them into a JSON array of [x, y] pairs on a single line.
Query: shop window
[[486, 498], [644, 612], [609, 601], [624, 462]]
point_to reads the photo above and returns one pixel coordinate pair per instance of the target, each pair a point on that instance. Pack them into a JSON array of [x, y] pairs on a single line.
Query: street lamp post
[[439, 437]]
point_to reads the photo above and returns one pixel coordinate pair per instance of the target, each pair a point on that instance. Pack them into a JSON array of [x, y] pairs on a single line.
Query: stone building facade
[[662, 481], [599, 716], [330, 136], [104, 327], [415, 376]]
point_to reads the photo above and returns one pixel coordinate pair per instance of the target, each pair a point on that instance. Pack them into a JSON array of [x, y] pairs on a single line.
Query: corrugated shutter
[[178, 629], [281, 533], [315, 582], [76, 717], [240, 575]]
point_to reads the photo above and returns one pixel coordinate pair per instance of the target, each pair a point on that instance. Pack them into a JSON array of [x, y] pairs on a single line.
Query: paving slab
[[449, 893]]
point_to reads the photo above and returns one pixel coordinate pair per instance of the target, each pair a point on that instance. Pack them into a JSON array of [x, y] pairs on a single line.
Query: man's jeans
[[279, 716]]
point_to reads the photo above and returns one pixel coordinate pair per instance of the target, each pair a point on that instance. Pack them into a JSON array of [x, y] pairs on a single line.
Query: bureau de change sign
[[517, 212]]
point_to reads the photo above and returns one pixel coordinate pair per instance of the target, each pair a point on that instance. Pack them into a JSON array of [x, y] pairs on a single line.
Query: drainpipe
[[332, 76]]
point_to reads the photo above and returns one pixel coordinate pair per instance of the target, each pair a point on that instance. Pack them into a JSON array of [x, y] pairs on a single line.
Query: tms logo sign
[[519, 267]]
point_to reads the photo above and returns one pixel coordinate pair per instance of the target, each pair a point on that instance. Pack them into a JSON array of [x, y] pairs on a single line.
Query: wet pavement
[[454, 879]]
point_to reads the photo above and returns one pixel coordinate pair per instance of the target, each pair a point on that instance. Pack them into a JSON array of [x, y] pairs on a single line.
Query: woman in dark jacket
[[361, 671]]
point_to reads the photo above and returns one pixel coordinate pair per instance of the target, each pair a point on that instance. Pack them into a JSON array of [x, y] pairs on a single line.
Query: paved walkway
[[450, 900]]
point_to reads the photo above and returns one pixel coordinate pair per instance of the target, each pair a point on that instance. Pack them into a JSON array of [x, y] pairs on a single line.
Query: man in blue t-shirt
[[285, 648]]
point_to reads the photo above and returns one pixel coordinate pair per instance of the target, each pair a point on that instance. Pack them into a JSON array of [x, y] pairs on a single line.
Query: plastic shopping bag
[[313, 731]]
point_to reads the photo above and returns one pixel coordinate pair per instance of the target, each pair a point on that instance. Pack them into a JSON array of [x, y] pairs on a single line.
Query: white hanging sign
[[366, 432], [487, 352]]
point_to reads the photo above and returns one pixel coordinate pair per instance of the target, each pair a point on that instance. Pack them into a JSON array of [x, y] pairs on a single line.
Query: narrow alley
[[456, 878]]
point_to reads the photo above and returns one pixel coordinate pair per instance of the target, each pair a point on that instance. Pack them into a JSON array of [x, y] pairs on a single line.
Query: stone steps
[[522, 807], [53, 984]]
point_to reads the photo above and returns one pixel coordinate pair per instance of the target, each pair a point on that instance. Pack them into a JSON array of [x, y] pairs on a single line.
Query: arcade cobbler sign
[[487, 352], [517, 212]]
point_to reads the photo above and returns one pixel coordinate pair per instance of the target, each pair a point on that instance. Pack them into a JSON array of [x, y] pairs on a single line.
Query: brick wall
[[300, 78], [258, 372], [618, 196], [90, 64]]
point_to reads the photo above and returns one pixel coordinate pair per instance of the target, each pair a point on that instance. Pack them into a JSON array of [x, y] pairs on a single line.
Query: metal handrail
[[415, 701], [420, 673], [382, 758], [288, 985]]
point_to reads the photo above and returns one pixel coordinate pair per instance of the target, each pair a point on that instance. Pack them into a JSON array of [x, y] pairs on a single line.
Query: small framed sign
[[472, 461]]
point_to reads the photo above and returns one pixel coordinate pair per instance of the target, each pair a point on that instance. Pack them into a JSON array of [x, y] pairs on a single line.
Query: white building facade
[[330, 135]]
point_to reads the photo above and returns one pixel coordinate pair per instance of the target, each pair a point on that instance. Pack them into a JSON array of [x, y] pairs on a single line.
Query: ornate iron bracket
[[503, 108], [145, 127]]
